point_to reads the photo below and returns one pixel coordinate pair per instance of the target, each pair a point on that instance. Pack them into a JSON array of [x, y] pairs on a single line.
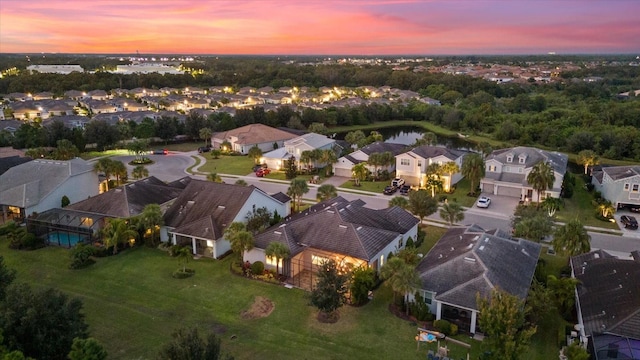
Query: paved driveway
[[627, 232], [501, 206]]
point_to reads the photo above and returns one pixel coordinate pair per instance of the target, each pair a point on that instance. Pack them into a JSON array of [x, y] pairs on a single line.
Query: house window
[[626, 187], [520, 170], [405, 162], [521, 160], [400, 242], [492, 168], [510, 158], [381, 260], [318, 260], [428, 297], [634, 188], [419, 163], [507, 169]]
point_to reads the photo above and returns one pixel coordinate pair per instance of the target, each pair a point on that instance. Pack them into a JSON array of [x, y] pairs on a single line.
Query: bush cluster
[[21, 239], [81, 256], [446, 327]]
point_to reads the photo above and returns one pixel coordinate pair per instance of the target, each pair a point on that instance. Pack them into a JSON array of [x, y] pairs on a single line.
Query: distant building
[[55, 69]]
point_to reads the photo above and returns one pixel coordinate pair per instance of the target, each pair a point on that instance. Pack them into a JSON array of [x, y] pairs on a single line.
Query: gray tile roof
[[342, 227], [282, 197], [205, 199], [469, 260], [428, 151], [129, 199], [532, 156], [621, 172], [609, 293], [380, 147], [26, 184], [254, 134]]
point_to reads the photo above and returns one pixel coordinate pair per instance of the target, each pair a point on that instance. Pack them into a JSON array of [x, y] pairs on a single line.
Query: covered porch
[[66, 227], [303, 267], [465, 319]]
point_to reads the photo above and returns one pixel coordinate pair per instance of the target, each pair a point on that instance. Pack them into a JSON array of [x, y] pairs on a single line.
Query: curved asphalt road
[[173, 166]]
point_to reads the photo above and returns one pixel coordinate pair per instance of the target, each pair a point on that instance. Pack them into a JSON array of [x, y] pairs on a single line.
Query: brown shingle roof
[[254, 134]]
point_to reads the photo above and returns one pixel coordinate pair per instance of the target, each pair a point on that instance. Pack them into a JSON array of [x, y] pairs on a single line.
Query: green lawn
[[233, 165], [183, 147], [372, 186], [434, 233], [94, 154], [459, 195], [132, 304], [580, 206]]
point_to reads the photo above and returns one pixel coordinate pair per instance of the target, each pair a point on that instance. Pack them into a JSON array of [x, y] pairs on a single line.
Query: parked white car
[[397, 182], [483, 202]]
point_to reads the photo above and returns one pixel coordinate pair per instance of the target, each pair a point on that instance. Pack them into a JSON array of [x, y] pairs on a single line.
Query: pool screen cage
[[59, 226]]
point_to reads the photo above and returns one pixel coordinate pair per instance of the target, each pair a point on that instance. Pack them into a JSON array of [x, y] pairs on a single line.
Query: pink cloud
[[319, 27]]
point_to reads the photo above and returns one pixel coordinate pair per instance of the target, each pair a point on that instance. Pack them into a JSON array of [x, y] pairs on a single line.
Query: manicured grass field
[[233, 165], [580, 206], [132, 305], [372, 186]]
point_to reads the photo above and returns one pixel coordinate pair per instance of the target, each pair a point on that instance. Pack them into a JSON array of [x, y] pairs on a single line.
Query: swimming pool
[[64, 238]]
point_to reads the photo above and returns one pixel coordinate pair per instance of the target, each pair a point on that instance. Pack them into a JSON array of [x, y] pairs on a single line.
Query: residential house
[[345, 163], [618, 184], [412, 165], [336, 229], [130, 199], [27, 110], [39, 185], [608, 303], [507, 170], [468, 261], [100, 95], [45, 95], [69, 121], [295, 147], [244, 138], [204, 210]]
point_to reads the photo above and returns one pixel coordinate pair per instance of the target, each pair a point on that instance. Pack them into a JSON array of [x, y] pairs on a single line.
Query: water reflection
[[407, 135]]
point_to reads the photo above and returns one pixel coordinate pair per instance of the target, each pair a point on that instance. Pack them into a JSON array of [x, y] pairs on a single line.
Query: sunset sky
[[357, 27]]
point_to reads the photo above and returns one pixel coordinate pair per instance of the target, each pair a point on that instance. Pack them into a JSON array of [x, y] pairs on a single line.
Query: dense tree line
[[568, 115]]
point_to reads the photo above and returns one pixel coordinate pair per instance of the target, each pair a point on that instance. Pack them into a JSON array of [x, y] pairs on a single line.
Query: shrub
[[419, 308], [410, 243], [421, 236], [31, 242], [590, 187], [443, 326], [454, 330], [9, 226], [179, 274], [257, 268], [442, 198], [81, 256], [362, 282]]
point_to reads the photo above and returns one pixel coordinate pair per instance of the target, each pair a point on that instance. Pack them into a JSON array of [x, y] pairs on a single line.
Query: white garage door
[[509, 191]]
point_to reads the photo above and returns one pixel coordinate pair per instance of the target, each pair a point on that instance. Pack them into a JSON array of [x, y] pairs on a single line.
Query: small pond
[[407, 135]]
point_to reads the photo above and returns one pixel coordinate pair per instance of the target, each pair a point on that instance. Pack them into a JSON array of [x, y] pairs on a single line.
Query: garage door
[[509, 191], [342, 172]]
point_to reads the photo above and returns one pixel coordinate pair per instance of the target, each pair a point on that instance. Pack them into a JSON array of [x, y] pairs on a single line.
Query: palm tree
[[375, 160], [541, 178], [571, 239], [255, 153], [140, 172], [551, 204], [428, 138], [606, 208], [205, 134], [359, 172], [450, 168], [305, 158], [399, 201], [587, 158], [278, 251], [240, 239], [297, 188], [151, 219], [117, 232], [328, 158], [120, 171], [433, 184], [473, 169], [104, 165], [138, 147], [184, 254], [401, 276], [326, 191], [452, 213], [214, 177]]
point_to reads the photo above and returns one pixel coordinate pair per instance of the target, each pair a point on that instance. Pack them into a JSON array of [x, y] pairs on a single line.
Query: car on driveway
[[263, 172], [397, 182], [390, 190], [258, 167], [629, 222], [405, 189], [483, 202], [204, 149]]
